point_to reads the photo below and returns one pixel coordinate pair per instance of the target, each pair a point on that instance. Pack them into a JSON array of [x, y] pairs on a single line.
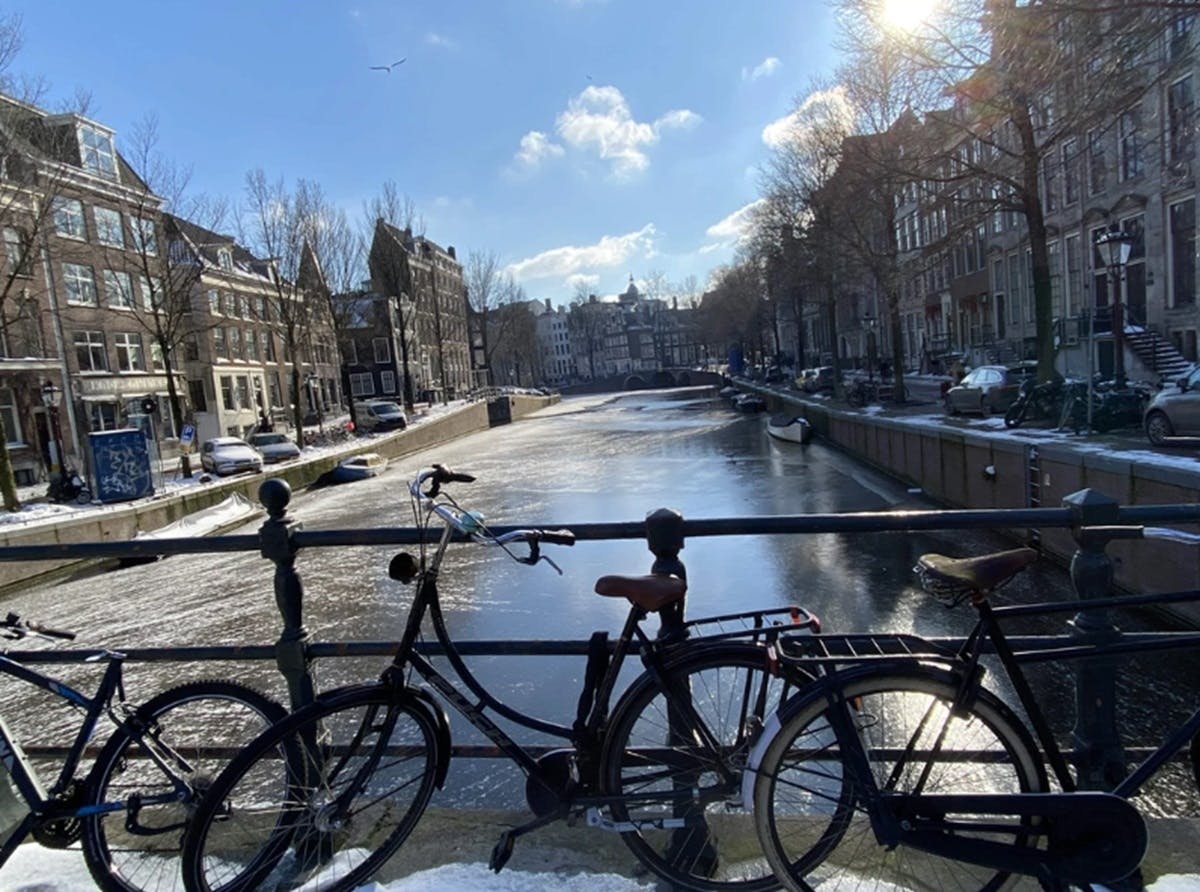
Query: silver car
[[229, 455], [274, 447], [988, 389], [1175, 411]]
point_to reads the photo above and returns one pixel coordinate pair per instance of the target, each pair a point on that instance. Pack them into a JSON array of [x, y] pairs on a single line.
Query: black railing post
[[1099, 756], [277, 543], [664, 537]]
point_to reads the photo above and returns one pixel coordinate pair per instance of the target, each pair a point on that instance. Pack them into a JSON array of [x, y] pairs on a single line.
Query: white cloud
[[733, 228], [535, 147], [599, 120], [591, 280], [441, 40], [827, 108], [611, 250], [765, 68]]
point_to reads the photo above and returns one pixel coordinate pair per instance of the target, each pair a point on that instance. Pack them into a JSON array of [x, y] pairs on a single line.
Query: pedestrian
[[957, 371], [265, 425]]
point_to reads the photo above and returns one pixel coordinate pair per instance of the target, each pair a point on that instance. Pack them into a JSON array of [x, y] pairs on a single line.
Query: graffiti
[[122, 462]]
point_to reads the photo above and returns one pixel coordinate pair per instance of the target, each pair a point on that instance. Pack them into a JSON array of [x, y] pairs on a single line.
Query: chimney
[[450, 251], [547, 304]]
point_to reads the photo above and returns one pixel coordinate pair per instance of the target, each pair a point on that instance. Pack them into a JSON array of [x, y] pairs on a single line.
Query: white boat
[[211, 521], [359, 467], [790, 427]]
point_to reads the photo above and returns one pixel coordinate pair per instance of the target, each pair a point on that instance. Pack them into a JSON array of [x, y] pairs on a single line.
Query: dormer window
[[225, 259], [96, 152]]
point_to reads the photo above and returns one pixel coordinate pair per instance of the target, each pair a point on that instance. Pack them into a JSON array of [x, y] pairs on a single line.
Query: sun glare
[[906, 15]]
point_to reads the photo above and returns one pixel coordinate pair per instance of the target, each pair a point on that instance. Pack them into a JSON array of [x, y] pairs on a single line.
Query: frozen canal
[[580, 461]]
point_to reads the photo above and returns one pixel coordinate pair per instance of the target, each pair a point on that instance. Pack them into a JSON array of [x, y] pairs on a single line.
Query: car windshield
[[269, 439], [386, 409]]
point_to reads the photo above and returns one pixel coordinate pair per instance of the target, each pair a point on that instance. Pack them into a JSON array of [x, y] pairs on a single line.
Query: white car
[[229, 455], [275, 447]]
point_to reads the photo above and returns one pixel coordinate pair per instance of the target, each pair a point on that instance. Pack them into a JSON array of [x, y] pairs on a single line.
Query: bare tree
[[585, 322]]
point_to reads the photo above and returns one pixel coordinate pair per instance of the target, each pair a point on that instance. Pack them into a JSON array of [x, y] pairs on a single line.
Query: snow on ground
[[36, 869]]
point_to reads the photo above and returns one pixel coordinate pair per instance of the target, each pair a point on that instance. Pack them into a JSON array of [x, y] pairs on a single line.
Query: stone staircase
[[1156, 353]]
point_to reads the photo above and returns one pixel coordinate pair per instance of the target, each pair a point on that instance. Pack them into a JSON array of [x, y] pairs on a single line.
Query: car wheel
[[985, 406], [1158, 428], [951, 409]]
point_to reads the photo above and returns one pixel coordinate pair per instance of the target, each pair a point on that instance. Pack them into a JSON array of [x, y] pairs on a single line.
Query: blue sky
[[580, 140]]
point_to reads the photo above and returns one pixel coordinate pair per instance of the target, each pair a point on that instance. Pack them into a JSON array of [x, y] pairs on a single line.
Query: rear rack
[[755, 626], [863, 648]]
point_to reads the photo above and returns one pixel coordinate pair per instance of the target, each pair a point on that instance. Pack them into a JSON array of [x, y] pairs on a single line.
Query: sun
[[906, 15]]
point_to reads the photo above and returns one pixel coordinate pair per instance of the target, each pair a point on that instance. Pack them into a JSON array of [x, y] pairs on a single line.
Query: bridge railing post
[[664, 537], [1099, 756], [278, 544]]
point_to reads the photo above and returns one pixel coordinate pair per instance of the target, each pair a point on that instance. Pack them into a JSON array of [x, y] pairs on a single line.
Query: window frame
[[99, 159], [95, 347], [130, 351], [123, 284], [81, 277], [66, 213], [100, 214]]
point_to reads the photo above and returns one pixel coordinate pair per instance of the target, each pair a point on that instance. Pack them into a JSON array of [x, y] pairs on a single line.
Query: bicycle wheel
[[321, 800], [195, 729], [813, 832], [657, 773]]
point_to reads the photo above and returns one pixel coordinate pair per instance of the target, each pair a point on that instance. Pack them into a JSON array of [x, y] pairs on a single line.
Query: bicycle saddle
[[947, 576], [651, 593]]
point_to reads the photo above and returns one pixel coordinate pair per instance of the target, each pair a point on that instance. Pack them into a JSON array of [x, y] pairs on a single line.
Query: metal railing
[[1093, 519]]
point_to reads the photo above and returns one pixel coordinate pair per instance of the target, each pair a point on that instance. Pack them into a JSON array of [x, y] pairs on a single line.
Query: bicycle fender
[[750, 772], [419, 698]]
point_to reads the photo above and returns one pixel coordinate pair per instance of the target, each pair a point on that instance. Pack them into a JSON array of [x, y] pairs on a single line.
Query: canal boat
[[729, 392], [790, 427], [359, 467], [211, 521], [750, 402]]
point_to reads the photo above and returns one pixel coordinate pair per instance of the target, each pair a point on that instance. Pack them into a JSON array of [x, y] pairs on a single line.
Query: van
[[379, 416]]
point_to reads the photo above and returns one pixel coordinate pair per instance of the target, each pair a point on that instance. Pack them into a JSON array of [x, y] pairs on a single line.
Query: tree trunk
[[8, 483], [297, 406], [185, 461]]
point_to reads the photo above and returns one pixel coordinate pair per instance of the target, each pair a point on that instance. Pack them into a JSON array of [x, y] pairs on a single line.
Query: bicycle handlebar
[[19, 628]]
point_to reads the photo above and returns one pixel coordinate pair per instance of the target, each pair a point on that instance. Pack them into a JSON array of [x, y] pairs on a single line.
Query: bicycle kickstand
[[503, 849]]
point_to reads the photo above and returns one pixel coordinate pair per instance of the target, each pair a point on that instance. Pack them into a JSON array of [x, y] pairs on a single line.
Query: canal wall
[[118, 523], [964, 469]]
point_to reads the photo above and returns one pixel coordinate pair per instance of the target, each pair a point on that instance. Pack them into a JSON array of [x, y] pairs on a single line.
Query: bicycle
[[663, 769], [129, 810], [898, 763]]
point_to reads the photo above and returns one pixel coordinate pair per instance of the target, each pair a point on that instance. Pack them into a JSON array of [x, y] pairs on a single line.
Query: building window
[[8, 411], [1054, 256], [387, 381], [1028, 296], [1050, 180], [382, 354], [1180, 36], [109, 230], [68, 218], [229, 304], [227, 399], [191, 348], [1096, 163], [214, 301], [242, 385], [129, 351], [351, 347], [251, 349], [196, 395], [89, 351], [15, 252], [145, 238], [235, 342], [1014, 288], [274, 390], [268, 343], [1070, 166], [80, 284], [1074, 283], [260, 308], [1183, 253], [362, 384], [225, 259], [104, 416], [1180, 114], [96, 151], [156, 356], [152, 293], [220, 350], [118, 289], [1129, 144]]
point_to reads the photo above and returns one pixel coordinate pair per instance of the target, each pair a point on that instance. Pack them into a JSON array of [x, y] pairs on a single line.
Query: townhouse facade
[[370, 341]]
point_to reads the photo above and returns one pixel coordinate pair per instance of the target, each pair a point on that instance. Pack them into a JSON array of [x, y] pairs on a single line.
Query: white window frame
[[110, 227], [90, 341], [69, 221], [79, 280], [387, 381], [145, 236], [118, 289], [362, 384], [225, 259], [131, 356], [1171, 293], [96, 150], [15, 252], [351, 351], [381, 350], [12, 420]]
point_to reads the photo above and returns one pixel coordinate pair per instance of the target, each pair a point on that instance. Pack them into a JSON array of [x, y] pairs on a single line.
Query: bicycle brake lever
[[556, 567]]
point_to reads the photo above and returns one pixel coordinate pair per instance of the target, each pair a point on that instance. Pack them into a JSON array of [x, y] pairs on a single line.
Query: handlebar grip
[[558, 537], [49, 632]]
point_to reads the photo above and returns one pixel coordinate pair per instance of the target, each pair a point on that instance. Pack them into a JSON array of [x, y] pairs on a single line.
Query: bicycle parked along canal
[[898, 763], [326, 796], [131, 807]]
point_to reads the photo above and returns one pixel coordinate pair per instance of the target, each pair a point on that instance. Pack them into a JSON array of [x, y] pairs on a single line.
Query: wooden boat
[[211, 521], [750, 402], [359, 467], [790, 427]]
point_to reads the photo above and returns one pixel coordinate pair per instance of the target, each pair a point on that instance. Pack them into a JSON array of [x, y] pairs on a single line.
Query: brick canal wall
[[117, 523], [949, 466]]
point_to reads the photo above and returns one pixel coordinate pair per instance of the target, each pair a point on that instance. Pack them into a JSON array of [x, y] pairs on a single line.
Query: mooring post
[[664, 537], [1099, 756], [277, 544]]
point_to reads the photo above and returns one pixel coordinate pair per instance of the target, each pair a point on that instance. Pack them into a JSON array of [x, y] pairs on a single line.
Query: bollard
[[277, 544], [1099, 757], [664, 537]]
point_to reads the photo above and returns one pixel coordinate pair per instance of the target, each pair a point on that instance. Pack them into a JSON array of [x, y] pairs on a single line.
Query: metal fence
[[1094, 520]]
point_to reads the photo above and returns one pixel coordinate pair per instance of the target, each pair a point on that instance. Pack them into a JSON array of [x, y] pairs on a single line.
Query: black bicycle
[[131, 807], [326, 796], [897, 763]]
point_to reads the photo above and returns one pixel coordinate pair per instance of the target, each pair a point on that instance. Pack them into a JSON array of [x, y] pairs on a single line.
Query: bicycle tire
[[720, 852], [226, 714], [808, 832], [359, 766]]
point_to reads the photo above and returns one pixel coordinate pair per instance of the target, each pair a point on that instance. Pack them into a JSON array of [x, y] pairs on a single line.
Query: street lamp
[[869, 322], [1115, 246], [52, 399]]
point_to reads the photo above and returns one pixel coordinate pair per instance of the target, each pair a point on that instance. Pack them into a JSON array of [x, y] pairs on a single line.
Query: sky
[[581, 141]]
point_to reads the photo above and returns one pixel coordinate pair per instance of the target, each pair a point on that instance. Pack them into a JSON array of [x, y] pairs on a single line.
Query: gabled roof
[[206, 244]]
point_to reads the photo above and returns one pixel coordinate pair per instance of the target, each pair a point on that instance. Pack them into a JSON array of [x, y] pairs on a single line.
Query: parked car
[[229, 455], [820, 379], [379, 416], [275, 447], [1175, 410], [989, 389]]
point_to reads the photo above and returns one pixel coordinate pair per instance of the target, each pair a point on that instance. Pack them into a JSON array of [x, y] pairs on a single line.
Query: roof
[[207, 244]]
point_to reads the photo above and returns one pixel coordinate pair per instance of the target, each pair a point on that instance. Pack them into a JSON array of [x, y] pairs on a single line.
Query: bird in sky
[[388, 68]]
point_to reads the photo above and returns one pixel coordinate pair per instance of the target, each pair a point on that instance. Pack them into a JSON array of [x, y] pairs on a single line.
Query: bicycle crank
[[1089, 837]]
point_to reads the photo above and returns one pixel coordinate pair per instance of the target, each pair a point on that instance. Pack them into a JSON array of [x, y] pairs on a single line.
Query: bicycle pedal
[[502, 851]]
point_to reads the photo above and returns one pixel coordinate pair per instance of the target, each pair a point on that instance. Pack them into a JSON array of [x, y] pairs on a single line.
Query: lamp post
[[310, 381], [869, 322], [1115, 245], [52, 399]]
